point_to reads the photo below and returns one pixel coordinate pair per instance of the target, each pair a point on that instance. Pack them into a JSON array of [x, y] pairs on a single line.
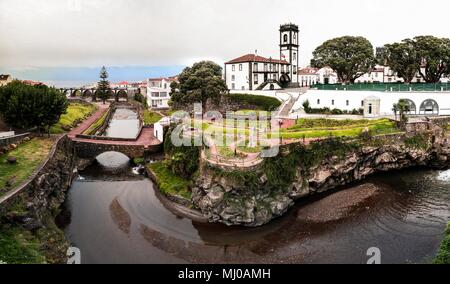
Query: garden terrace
[[76, 113], [252, 101]]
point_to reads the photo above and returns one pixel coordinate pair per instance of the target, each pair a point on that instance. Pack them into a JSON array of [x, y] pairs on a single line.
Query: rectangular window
[[318, 101], [362, 103], [255, 67], [332, 102], [243, 88], [265, 66], [255, 79], [163, 94], [155, 94], [233, 77], [347, 102], [240, 67], [233, 68], [233, 86]]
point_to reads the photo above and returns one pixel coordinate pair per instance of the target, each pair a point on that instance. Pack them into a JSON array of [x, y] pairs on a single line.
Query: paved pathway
[[102, 108]]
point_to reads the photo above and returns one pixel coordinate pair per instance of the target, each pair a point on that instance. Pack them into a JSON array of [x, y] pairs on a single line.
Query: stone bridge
[[116, 93], [90, 148]]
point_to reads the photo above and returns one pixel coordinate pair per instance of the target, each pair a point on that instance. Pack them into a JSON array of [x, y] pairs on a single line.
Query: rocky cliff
[[240, 198]]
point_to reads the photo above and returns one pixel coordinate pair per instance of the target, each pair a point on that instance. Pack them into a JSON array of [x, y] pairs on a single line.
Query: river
[[116, 217]]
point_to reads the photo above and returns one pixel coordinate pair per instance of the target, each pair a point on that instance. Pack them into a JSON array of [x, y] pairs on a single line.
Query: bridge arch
[[76, 93], [87, 94], [121, 94]]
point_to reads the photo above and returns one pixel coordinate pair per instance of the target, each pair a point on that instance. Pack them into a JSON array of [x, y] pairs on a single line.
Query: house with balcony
[[158, 92]]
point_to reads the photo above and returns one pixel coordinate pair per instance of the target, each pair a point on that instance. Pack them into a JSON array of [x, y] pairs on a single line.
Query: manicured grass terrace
[[76, 112], [151, 117], [30, 156]]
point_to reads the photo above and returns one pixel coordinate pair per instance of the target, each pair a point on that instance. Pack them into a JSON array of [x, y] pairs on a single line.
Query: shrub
[[139, 98], [443, 256], [259, 102], [337, 111]]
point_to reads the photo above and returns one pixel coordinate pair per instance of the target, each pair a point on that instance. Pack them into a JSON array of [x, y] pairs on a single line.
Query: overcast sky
[[91, 33]]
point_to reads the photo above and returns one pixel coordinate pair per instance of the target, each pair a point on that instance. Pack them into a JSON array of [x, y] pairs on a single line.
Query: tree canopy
[[199, 83], [104, 88], [24, 106], [350, 57], [434, 56], [403, 59]]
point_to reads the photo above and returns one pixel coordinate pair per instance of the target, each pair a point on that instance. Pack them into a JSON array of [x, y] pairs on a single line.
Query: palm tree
[[403, 108], [395, 110]]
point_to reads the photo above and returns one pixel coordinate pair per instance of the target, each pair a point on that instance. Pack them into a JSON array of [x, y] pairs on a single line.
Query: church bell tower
[[289, 51]]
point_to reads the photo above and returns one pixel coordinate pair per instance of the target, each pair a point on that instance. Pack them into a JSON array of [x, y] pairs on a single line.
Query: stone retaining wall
[[44, 190], [6, 141]]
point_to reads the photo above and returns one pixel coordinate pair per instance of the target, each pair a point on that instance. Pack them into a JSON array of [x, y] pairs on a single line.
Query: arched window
[[412, 106], [285, 38], [429, 107]]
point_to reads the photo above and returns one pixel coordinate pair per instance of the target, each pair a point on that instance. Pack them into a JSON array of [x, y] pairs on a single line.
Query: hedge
[[260, 102]]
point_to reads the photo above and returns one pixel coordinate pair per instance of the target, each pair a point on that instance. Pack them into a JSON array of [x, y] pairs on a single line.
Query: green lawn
[[19, 246], [29, 156], [76, 112], [443, 256], [168, 182], [317, 128], [151, 117]]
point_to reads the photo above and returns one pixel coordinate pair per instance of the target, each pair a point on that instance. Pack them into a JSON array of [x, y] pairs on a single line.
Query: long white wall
[[349, 100]]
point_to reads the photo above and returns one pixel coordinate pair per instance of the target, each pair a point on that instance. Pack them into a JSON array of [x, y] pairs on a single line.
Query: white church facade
[[254, 72]]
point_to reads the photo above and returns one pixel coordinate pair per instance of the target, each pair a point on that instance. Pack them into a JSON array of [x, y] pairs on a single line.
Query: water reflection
[[124, 221], [123, 124]]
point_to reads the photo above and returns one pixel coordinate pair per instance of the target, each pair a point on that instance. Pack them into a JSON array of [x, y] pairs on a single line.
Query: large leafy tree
[[23, 106], [403, 58], [350, 57], [103, 87], [199, 83], [434, 56]]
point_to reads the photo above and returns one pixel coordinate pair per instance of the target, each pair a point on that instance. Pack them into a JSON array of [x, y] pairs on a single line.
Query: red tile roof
[[170, 79], [308, 71], [255, 58]]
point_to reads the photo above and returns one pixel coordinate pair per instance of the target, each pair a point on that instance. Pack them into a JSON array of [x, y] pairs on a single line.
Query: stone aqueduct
[[116, 93]]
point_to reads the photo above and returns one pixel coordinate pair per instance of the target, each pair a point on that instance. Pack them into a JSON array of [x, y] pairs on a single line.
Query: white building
[[375, 76], [310, 76], [376, 104], [158, 92], [254, 72], [5, 79]]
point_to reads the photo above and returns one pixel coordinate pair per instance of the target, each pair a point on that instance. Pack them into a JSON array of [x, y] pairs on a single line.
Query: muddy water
[[116, 217], [123, 124]]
